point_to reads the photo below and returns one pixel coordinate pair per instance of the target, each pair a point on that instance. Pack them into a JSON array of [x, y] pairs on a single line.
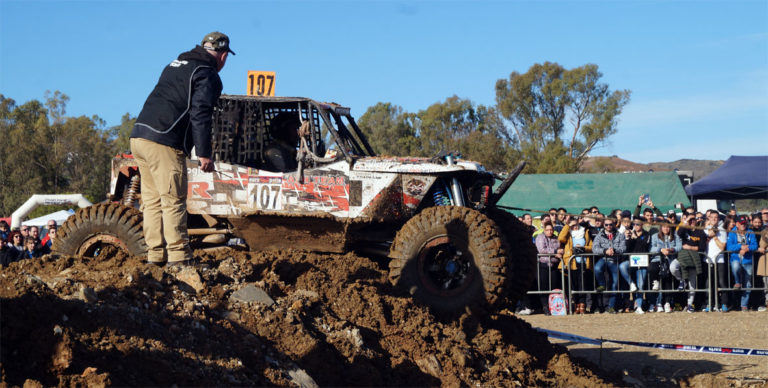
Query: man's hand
[[640, 200], [206, 164], [609, 252], [650, 203]]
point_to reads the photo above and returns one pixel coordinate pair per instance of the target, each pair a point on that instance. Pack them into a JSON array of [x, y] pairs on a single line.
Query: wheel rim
[[96, 244], [446, 266]]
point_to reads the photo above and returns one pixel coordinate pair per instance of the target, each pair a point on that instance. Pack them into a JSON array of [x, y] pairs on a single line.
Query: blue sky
[[698, 71]]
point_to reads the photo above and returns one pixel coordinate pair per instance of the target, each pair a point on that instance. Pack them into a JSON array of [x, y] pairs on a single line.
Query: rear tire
[[520, 252], [449, 258], [90, 229]]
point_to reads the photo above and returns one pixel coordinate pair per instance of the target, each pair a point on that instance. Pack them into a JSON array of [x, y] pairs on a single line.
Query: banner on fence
[[638, 260], [678, 347]]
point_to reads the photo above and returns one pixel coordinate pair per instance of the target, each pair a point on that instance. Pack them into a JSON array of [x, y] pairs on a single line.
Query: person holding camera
[[716, 240], [687, 267], [648, 212], [576, 242], [664, 247], [638, 241]]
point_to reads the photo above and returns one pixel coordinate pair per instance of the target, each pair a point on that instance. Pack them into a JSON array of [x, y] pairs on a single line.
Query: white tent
[[60, 216]]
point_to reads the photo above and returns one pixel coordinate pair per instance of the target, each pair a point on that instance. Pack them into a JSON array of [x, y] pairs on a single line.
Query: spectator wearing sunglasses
[[609, 246], [47, 241], [15, 247], [670, 217], [638, 241], [594, 225]]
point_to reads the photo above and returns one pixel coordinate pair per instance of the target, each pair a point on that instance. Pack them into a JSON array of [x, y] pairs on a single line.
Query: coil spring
[[439, 197], [133, 189]]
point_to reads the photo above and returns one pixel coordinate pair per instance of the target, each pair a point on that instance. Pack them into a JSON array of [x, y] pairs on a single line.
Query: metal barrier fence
[[714, 284]]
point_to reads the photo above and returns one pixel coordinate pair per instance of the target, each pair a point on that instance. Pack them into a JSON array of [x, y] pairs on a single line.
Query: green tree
[[558, 115], [46, 152], [458, 125], [121, 134], [388, 130]]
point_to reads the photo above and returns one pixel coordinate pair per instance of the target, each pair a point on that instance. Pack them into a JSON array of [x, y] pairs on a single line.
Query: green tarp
[[540, 192]]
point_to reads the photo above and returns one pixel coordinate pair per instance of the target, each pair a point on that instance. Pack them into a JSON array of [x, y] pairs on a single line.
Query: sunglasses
[[607, 225]]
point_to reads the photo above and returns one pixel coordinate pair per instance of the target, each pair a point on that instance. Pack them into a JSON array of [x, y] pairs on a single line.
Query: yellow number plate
[[261, 83]]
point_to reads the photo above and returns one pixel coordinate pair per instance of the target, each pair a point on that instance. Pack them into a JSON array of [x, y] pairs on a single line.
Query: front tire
[[449, 258], [90, 229]]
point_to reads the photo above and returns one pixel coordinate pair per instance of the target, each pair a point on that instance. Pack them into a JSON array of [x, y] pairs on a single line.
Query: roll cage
[[240, 130]]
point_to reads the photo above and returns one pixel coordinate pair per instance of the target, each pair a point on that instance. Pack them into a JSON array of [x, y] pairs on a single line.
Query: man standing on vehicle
[[176, 116]]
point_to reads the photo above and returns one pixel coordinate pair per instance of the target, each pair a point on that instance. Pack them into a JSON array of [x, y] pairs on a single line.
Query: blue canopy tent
[[740, 177]]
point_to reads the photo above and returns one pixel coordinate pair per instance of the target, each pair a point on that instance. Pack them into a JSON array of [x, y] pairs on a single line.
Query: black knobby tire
[[449, 258], [90, 229], [520, 252]]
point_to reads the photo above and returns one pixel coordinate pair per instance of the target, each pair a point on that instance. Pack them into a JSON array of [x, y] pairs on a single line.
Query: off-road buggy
[[434, 219]]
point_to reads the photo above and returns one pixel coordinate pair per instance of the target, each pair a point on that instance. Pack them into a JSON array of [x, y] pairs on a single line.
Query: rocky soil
[[286, 318]]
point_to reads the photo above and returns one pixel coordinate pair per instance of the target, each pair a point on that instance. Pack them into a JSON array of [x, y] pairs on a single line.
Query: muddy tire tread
[[104, 218], [487, 246]]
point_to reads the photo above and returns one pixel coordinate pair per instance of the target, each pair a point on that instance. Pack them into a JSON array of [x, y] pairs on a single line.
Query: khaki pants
[[163, 193]]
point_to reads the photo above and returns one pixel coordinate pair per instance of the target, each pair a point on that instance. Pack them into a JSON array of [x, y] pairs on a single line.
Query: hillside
[[700, 168], [598, 164]]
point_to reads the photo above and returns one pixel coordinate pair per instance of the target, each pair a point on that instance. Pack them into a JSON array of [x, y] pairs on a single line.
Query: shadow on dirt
[[129, 334], [636, 364]]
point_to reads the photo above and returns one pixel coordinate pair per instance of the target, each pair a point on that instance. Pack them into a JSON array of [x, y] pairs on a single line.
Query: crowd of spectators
[[25, 242], [689, 254]]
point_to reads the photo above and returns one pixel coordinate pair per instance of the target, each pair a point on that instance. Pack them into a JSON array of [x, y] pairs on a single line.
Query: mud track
[[330, 320]]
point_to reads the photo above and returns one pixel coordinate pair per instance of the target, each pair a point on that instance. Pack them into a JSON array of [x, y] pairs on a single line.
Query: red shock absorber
[[484, 197]]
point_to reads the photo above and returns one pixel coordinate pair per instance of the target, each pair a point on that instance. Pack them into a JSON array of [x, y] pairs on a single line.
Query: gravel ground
[[658, 367]]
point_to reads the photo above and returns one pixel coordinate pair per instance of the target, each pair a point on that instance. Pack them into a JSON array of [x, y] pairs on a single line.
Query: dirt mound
[[276, 318]]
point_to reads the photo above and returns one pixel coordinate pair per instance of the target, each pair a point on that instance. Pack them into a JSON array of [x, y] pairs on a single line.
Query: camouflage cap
[[219, 41]]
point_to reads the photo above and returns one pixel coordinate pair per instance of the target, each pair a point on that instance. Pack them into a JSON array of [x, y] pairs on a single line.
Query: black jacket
[[179, 110], [640, 244]]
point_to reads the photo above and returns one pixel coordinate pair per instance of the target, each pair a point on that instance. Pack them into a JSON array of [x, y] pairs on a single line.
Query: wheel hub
[[444, 268], [94, 245]]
